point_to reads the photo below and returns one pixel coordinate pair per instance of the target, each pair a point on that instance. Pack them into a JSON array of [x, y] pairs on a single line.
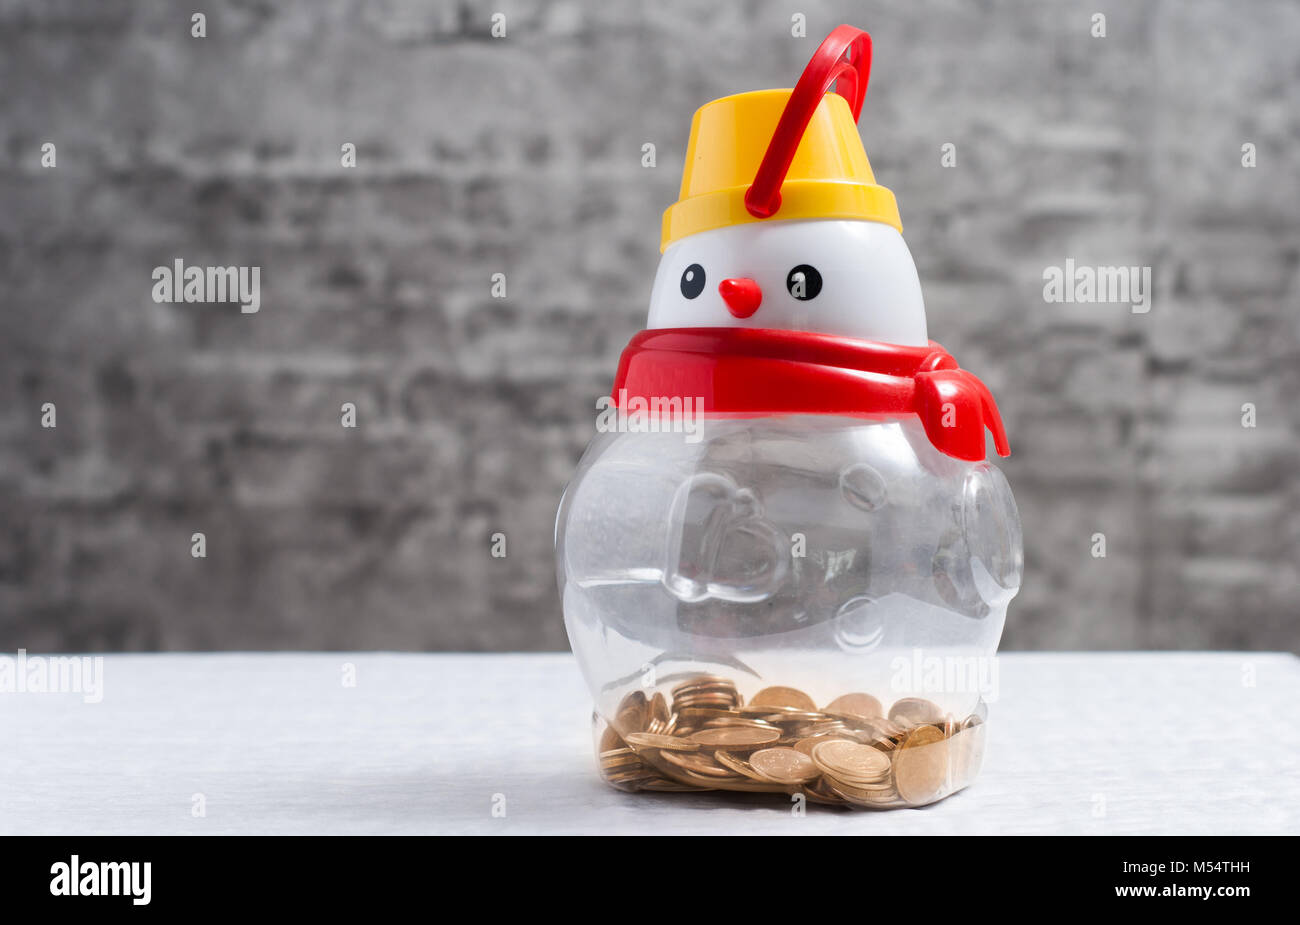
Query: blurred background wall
[[522, 155]]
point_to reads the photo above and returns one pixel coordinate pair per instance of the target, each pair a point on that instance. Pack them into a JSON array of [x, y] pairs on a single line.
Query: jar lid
[[784, 154]]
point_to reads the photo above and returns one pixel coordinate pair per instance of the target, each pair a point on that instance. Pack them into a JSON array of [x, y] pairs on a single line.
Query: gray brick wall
[[521, 155]]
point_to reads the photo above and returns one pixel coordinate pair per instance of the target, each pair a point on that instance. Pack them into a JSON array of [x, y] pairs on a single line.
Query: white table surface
[[1090, 743]]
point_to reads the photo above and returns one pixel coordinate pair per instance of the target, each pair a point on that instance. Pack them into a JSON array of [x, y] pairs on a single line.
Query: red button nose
[[741, 295]]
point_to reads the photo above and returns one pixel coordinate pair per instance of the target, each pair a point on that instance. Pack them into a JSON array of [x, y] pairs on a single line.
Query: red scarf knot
[[750, 372]]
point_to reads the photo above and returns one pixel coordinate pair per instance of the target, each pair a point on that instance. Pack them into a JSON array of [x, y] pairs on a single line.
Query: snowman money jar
[[784, 560]]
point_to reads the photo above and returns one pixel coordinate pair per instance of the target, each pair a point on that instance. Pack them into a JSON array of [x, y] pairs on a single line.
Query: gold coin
[[701, 680], [722, 705], [749, 775], [659, 716], [735, 737], [877, 728], [795, 717], [784, 765], [914, 711], [787, 719], [703, 703], [818, 792], [807, 745], [731, 719], [784, 697], [704, 711], [761, 710], [671, 743], [879, 789], [862, 796], [625, 775], [698, 716], [632, 700], [705, 691], [823, 727], [665, 785], [886, 733], [743, 784], [819, 733], [851, 762], [632, 718], [610, 740], [921, 766], [616, 757], [624, 771], [705, 783], [863, 705], [632, 713], [697, 762], [738, 765], [625, 786]]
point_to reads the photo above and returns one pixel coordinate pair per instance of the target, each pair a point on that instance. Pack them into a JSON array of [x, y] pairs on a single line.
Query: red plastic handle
[[843, 59]]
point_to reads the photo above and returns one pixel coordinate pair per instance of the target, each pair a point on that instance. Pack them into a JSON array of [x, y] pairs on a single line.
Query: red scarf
[[742, 372]]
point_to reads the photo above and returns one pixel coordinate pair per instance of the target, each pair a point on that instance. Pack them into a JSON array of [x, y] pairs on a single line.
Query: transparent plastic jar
[[795, 604], [803, 595]]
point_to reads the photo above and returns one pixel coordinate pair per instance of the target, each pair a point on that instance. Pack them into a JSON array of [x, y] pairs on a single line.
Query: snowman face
[[851, 278]]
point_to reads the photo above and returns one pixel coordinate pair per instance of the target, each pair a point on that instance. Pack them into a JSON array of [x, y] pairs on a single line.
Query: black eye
[[804, 282], [693, 281]]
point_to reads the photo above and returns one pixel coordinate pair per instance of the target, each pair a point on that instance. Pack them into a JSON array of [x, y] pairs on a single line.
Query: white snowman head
[[780, 224], [850, 278]]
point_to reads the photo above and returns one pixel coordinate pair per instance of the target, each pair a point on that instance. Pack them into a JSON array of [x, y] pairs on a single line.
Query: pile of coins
[[849, 752]]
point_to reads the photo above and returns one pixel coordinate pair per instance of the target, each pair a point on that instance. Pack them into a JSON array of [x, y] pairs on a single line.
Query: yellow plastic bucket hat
[[784, 154]]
